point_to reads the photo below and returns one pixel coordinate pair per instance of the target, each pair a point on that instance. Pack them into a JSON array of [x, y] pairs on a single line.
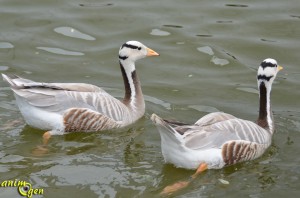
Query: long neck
[[265, 117], [133, 93]]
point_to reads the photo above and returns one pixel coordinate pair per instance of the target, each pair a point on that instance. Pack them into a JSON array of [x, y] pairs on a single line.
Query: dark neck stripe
[[130, 46], [264, 77], [126, 84], [136, 83], [123, 57], [267, 64], [263, 112]]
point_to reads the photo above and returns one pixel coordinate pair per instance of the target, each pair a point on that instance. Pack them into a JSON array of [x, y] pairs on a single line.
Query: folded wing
[[218, 133], [58, 97]]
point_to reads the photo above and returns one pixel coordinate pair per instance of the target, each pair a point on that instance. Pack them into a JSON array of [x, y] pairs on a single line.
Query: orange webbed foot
[[182, 184]]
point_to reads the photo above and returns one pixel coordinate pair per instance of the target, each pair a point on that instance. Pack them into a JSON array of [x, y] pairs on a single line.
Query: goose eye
[[139, 48]]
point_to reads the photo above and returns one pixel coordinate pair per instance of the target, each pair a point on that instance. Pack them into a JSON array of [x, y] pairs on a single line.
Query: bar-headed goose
[[69, 107], [219, 139]]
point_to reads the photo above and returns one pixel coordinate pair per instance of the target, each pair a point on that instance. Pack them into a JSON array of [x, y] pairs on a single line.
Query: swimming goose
[[69, 107], [220, 139]]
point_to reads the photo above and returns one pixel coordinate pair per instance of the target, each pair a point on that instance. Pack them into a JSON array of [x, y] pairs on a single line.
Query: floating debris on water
[[222, 181]]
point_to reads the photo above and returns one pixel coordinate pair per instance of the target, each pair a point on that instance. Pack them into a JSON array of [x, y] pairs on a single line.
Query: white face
[[132, 51], [267, 71]]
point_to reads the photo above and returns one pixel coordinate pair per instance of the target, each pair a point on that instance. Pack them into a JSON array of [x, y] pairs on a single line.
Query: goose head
[[132, 51], [267, 72]]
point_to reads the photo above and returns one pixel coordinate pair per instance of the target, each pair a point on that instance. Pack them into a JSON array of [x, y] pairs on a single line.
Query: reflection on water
[[63, 41], [72, 32], [206, 50], [248, 89], [6, 45], [60, 51], [219, 61], [158, 32], [3, 68], [203, 108]]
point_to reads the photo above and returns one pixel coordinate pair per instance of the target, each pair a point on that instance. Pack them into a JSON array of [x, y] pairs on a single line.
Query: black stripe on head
[[130, 46], [267, 64], [264, 77], [123, 57]]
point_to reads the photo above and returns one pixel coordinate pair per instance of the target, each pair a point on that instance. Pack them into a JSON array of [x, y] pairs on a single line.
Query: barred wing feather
[[215, 135], [57, 97]]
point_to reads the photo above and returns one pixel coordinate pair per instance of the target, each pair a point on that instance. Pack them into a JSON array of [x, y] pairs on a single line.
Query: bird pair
[[214, 141]]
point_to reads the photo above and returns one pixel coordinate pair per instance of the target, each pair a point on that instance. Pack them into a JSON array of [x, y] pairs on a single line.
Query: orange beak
[[151, 52], [279, 67]]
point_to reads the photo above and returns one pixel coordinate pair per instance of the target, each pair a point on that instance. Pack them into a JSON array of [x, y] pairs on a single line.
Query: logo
[[24, 188]]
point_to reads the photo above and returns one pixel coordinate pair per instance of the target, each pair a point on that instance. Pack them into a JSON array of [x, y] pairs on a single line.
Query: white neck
[[129, 69], [269, 111]]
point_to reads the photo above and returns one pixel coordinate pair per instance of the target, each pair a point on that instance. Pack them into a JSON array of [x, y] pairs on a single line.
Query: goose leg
[[202, 167], [42, 149], [46, 137], [182, 184]]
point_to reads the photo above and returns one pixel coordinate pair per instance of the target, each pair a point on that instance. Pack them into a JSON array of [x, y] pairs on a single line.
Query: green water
[[210, 51]]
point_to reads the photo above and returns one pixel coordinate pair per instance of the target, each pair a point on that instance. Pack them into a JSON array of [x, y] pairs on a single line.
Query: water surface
[[210, 51]]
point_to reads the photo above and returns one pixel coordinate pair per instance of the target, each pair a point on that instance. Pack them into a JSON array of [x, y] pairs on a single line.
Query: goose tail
[[8, 80], [167, 132], [15, 81]]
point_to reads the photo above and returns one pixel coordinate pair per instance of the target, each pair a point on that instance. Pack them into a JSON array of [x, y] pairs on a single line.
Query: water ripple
[[89, 175], [237, 5], [95, 4], [219, 61], [248, 89], [295, 16], [224, 21], [11, 158], [60, 51], [6, 45], [268, 40], [158, 101], [206, 49], [3, 68], [173, 26], [158, 32], [204, 35], [4, 169], [72, 32], [203, 108]]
